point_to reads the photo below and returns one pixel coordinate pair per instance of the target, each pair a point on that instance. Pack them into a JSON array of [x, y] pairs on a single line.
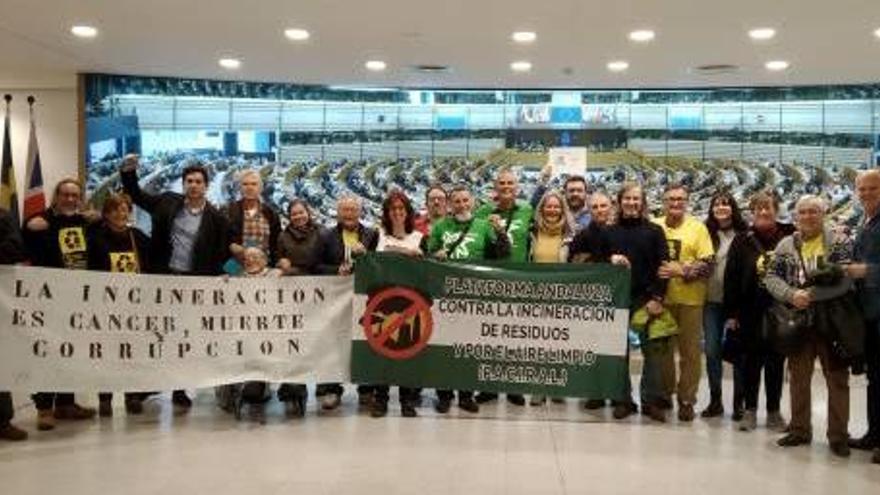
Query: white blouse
[[387, 242]]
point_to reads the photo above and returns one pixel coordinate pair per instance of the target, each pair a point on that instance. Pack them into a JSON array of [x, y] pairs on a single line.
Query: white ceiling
[[825, 41]]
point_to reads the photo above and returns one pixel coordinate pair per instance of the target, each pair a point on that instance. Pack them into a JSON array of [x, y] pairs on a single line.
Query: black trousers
[[289, 392], [45, 401], [407, 395], [328, 388], [760, 357], [450, 394], [872, 362], [6, 411]]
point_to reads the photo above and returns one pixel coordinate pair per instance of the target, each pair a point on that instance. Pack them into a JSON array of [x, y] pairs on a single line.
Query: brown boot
[[45, 420], [74, 412], [13, 434]]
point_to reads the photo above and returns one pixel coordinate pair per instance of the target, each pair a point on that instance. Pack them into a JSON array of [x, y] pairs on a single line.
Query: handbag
[[785, 327]]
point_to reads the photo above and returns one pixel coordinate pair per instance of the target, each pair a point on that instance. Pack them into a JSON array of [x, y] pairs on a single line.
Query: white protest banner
[[66, 330], [568, 160]]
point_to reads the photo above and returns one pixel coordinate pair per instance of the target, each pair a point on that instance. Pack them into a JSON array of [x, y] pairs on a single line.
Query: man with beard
[[461, 237], [577, 196], [57, 238]]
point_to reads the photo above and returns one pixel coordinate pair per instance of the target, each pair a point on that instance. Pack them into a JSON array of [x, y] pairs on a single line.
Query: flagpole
[[34, 198]]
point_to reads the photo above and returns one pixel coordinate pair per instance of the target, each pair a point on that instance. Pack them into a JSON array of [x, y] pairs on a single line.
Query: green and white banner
[[522, 328]]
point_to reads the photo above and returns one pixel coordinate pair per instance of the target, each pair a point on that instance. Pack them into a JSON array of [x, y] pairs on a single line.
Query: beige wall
[[56, 116]]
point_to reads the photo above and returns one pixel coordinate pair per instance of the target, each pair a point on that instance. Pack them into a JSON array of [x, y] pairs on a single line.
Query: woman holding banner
[[552, 232], [299, 253], [635, 241], [116, 247], [397, 235]]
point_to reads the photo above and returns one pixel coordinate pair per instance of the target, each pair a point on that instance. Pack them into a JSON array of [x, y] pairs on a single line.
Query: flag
[[34, 198], [8, 196]]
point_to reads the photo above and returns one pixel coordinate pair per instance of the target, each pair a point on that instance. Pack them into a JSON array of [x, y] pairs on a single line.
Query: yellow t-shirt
[[546, 249], [812, 251], [687, 243], [349, 237]]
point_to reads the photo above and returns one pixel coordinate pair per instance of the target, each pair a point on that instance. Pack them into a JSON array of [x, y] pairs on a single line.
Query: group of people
[[698, 287]]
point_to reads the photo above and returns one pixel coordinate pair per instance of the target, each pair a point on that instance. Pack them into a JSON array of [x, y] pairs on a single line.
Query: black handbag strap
[[464, 232]]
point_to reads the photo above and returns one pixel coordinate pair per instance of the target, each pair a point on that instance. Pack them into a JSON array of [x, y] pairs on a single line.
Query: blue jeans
[[713, 347], [713, 339]]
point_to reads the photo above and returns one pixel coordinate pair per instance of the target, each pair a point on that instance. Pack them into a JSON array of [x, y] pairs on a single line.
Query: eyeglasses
[[676, 200]]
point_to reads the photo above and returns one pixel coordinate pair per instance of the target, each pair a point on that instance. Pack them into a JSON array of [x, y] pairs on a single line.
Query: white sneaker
[[330, 402], [537, 400], [749, 421], [776, 422]]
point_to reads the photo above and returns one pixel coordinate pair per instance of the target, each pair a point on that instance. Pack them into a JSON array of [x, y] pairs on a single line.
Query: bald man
[[349, 239], [865, 269]]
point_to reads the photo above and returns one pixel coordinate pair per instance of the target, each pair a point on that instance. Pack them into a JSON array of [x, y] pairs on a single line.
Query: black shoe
[[180, 399], [864, 443], [737, 415], [593, 404], [469, 405], [793, 440], [378, 409], [484, 397], [105, 409], [714, 410], [622, 410], [408, 411], [365, 398], [840, 448], [295, 408], [134, 407], [664, 404], [686, 413], [516, 399], [442, 406], [654, 411]]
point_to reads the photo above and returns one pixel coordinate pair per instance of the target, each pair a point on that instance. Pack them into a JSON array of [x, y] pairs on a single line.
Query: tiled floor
[[552, 449]]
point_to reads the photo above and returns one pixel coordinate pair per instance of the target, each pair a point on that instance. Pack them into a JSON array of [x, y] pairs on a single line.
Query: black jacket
[[644, 244], [745, 297], [592, 243], [303, 248], [11, 243], [235, 214], [333, 248], [867, 250], [103, 241], [211, 249]]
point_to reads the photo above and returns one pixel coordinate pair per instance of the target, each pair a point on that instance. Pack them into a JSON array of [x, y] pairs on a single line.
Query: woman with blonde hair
[[552, 232]]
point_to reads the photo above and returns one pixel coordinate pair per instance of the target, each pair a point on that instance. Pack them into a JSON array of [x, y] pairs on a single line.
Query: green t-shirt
[[519, 222], [479, 235]]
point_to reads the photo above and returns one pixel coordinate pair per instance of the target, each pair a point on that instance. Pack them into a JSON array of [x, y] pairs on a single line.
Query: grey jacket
[[783, 276]]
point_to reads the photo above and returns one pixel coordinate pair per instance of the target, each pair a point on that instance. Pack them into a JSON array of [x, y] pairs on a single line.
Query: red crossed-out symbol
[[408, 312]]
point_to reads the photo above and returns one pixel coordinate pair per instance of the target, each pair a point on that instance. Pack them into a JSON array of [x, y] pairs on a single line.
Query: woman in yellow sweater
[[552, 232]]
